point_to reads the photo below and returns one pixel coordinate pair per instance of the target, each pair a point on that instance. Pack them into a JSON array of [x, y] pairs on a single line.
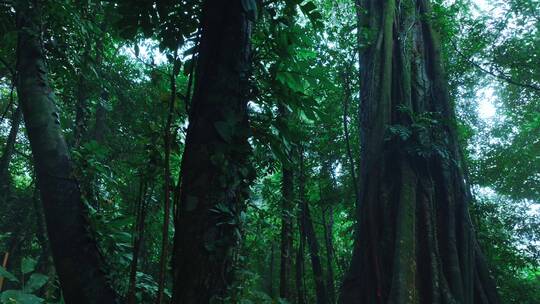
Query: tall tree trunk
[[287, 192], [168, 138], [286, 234], [5, 260], [75, 252], [138, 236], [8, 153], [328, 223], [5, 189], [215, 170], [346, 101], [44, 262], [311, 237], [414, 240], [300, 266], [100, 123], [271, 271]]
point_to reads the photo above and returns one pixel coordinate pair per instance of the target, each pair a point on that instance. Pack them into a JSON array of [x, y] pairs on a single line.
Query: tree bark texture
[[74, 250], [215, 169], [414, 240]]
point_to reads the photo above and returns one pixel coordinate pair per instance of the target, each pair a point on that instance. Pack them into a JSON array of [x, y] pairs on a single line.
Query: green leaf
[[28, 265], [293, 81], [36, 281], [6, 274], [19, 297]]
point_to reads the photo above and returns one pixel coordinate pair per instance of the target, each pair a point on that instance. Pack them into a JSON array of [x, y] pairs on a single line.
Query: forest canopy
[[270, 151]]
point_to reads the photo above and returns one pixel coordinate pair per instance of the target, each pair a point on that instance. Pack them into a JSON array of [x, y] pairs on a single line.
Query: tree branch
[[499, 76]]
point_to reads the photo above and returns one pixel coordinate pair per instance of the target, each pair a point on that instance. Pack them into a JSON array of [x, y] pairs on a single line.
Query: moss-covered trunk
[[415, 242], [75, 253], [215, 170]]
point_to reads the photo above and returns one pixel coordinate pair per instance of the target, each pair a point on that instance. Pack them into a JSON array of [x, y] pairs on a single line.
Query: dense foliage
[[120, 69]]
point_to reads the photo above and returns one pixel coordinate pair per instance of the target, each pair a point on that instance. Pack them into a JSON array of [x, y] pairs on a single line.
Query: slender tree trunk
[[311, 237], [300, 290], [286, 235], [100, 123], [14, 255], [215, 170], [271, 271], [8, 153], [313, 246], [167, 186], [328, 227], [44, 262], [4, 264], [21, 219], [414, 240], [138, 235], [346, 102], [45, 265], [287, 192], [75, 252], [5, 260]]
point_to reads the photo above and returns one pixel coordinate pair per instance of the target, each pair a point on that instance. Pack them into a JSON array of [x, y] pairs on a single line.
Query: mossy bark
[[74, 250], [215, 170], [414, 239]]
